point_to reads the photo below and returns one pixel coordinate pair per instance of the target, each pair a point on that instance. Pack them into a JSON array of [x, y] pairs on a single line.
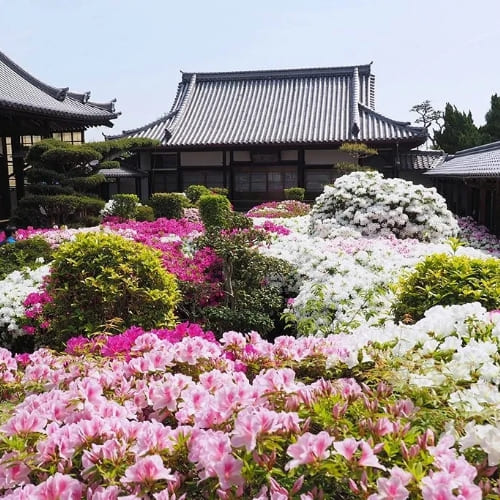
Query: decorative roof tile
[[299, 106], [481, 161], [22, 92]]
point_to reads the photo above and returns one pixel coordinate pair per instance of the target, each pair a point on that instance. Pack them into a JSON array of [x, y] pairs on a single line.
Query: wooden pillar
[[301, 167], [5, 205], [18, 163], [482, 203]]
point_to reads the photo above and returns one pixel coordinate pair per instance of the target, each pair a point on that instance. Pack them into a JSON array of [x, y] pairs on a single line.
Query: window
[[164, 182], [164, 161], [264, 179], [75, 137], [317, 178], [209, 178]]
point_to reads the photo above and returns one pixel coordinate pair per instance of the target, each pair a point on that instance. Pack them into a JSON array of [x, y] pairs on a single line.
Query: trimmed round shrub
[[101, 278], [195, 191], [32, 253], [215, 211], [125, 206], [168, 205], [444, 280], [294, 193], [144, 213], [375, 205]]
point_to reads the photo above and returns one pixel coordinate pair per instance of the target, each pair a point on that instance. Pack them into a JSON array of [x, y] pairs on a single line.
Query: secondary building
[[259, 132], [31, 110], [470, 182]]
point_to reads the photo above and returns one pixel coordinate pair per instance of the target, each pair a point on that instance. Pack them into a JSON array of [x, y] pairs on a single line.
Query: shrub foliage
[[100, 278], [443, 279]]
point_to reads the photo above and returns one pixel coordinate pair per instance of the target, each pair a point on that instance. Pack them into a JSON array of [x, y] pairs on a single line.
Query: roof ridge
[[183, 103], [396, 122], [273, 73], [58, 93], [479, 149]]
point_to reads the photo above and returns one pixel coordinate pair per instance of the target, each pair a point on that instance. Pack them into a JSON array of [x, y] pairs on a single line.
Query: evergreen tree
[[491, 130], [458, 132], [64, 183]]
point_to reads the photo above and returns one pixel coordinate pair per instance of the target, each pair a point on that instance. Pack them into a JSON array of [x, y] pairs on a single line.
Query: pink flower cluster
[[177, 419], [276, 209], [122, 344]]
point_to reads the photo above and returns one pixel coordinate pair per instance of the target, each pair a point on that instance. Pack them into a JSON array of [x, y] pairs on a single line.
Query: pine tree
[[491, 130], [458, 132]]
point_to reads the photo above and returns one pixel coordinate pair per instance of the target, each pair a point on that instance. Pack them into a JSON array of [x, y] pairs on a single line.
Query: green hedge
[[215, 211], [444, 280], [168, 205], [294, 193], [45, 211]]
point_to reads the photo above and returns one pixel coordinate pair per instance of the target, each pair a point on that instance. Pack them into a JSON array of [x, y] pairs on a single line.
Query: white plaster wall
[[289, 155], [241, 156], [325, 157], [202, 158]]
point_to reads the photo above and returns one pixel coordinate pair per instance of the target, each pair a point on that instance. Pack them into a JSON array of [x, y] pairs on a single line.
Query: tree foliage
[[491, 130], [60, 172], [458, 132]]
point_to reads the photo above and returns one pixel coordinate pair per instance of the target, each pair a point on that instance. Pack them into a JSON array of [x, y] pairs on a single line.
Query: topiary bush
[[443, 279], [215, 211], [374, 205], [125, 206], [294, 193], [195, 191], [168, 205], [32, 253], [144, 213], [101, 277]]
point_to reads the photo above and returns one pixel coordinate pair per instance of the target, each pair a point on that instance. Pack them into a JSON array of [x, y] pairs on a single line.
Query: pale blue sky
[[131, 50]]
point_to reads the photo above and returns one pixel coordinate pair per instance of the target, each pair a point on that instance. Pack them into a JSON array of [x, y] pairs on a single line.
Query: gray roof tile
[[301, 106], [421, 160], [21, 91], [481, 161]]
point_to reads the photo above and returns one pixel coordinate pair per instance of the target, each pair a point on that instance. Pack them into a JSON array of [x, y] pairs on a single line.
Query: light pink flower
[[390, 489], [368, 457], [228, 471], [58, 487], [309, 448], [346, 448], [147, 469], [24, 422]]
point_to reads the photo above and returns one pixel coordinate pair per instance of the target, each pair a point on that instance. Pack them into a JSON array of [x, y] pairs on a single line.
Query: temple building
[[470, 182], [259, 132], [31, 110]]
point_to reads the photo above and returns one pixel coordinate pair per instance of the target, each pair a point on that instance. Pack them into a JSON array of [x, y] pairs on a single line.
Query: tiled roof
[[481, 161], [20, 91], [300, 106], [120, 172], [421, 160]]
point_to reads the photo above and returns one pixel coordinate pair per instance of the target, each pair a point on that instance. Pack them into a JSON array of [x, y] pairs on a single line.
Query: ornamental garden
[[181, 350]]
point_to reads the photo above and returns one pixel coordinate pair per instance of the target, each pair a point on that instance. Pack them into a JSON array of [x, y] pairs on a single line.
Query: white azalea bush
[[374, 205]]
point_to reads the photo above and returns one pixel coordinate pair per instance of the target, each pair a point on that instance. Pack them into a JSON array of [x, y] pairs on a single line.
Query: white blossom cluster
[[346, 279], [453, 347], [13, 292], [378, 206]]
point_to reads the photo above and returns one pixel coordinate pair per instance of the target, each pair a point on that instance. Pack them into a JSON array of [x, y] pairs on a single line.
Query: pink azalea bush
[[177, 414], [280, 209]]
